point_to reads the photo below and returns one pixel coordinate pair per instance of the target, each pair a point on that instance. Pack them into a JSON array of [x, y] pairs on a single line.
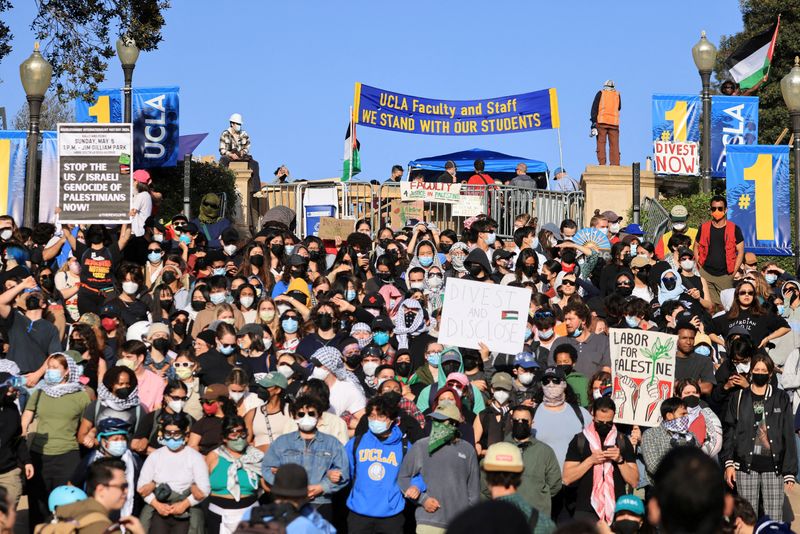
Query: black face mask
[[33, 303], [402, 368], [257, 260], [603, 428], [313, 255], [567, 369], [324, 321], [123, 393], [475, 269], [169, 277], [78, 345], [385, 277], [625, 526], [470, 363], [161, 345], [263, 393], [692, 401], [529, 270], [277, 250], [760, 379], [47, 283], [179, 328], [444, 249], [392, 396], [166, 304], [626, 259], [95, 239], [383, 243], [670, 283], [409, 319], [450, 367], [198, 305], [520, 430], [624, 291]]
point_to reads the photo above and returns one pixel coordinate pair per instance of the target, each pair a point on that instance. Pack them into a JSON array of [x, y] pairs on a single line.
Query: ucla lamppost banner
[[387, 110], [155, 117], [676, 134], [758, 197], [13, 149], [734, 121]]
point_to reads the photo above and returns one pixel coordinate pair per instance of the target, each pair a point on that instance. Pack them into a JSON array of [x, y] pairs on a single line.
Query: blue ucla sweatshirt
[[374, 471]]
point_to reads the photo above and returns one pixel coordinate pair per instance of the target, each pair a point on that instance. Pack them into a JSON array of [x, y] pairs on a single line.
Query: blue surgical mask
[[173, 444], [632, 321], [528, 334], [434, 359], [350, 295], [771, 278], [117, 448], [633, 249], [546, 334], [53, 376], [227, 351], [289, 325], [219, 271], [378, 427], [217, 298], [577, 332], [154, 257], [781, 309], [426, 261], [491, 238], [380, 338], [703, 350], [288, 249]]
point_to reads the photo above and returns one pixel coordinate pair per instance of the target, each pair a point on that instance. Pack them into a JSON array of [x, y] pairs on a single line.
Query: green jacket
[[580, 385]]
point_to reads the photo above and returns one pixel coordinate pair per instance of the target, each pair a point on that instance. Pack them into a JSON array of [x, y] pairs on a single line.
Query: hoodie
[[425, 396], [374, 469]]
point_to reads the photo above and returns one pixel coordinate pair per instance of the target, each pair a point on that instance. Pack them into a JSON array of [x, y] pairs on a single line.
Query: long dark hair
[[264, 272], [755, 308], [524, 254]]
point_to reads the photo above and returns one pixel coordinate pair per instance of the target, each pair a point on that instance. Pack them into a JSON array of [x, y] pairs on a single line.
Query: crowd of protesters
[[174, 377]]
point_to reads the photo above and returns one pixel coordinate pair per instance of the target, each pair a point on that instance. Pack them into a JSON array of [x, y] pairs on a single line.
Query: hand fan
[[585, 236]]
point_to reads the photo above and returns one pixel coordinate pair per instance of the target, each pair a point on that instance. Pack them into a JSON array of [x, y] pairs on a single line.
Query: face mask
[[130, 288], [218, 271], [210, 409], [703, 350], [624, 291], [176, 405], [238, 444], [378, 427], [577, 332], [307, 423], [743, 367], [174, 444], [169, 277], [246, 302], [158, 238], [320, 373], [603, 428], [5, 235], [402, 368], [236, 396], [350, 295], [289, 325], [718, 215], [186, 239], [434, 359], [501, 396], [634, 246], [53, 376], [237, 127], [687, 265], [416, 285], [154, 257], [691, 401], [426, 261], [529, 270], [669, 283], [546, 334], [435, 282], [108, 324], [490, 239], [369, 368], [380, 338], [566, 369], [679, 227], [625, 526], [276, 249], [267, 315], [123, 393], [286, 370], [161, 345], [117, 448], [457, 262], [184, 373], [124, 362], [288, 249], [781, 309], [325, 321], [227, 351], [520, 430], [198, 305], [632, 322], [526, 378], [604, 231], [614, 228], [528, 334], [760, 379], [217, 298], [771, 278], [230, 250]]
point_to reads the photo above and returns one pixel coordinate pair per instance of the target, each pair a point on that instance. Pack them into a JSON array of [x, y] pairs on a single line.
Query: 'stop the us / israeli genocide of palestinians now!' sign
[[642, 372], [94, 173], [475, 312], [387, 110]]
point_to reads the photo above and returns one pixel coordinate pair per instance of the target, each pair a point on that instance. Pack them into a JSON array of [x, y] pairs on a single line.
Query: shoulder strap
[[533, 520], [90, 519], [578, 413], [138, 419]]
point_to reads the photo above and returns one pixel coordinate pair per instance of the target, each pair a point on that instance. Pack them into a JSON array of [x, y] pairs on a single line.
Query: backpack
[[71, 526], [97, 409]]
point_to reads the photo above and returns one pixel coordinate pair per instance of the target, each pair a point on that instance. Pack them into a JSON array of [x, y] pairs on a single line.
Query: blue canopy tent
[[500, 166]]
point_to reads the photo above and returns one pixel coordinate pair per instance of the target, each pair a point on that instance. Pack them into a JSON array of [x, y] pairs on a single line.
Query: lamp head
[[790, 87], [704, 54], [35, 73], [126, 50]]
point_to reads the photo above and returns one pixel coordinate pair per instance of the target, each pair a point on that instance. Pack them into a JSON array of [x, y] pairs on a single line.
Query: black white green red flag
[[750, 62]]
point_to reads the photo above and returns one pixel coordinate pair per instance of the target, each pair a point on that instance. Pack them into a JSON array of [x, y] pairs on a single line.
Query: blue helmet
[[65, 495], [111, 426], [526, 360]]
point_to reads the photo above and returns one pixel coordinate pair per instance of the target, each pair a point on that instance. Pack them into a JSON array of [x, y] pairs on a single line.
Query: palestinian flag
[[509, 315], [352, 158], [750, 62]]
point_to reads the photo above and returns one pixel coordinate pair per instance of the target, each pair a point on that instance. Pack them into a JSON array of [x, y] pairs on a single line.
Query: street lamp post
[[704, 54], [35, 73], [128, 54], [790, 88]]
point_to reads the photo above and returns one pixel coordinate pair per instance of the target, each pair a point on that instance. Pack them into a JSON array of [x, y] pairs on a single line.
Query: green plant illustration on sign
[[659, 351]]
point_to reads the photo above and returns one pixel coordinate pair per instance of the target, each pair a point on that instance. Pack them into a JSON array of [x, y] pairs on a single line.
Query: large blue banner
[[49, 186], [387, 110], [676, 118], [155, 119], [734, 121], [13, 149], [758, 197]]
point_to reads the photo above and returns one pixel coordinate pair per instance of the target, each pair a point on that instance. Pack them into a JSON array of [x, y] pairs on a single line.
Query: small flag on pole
[[750, 62], [352, 158]]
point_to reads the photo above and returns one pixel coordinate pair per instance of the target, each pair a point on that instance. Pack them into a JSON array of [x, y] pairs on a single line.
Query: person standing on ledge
[[234, 145], [605, 122]]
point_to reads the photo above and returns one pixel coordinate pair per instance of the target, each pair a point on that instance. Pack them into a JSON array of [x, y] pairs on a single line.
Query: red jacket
[[730, 245]]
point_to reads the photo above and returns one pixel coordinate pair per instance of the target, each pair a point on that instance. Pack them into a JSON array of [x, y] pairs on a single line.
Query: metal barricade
[[655, 219], [270, 196]]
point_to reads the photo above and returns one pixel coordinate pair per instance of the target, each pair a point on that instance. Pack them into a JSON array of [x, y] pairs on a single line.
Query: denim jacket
[[323, 453]]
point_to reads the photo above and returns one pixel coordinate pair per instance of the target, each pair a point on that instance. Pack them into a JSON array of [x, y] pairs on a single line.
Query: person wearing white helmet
[[234, 145]]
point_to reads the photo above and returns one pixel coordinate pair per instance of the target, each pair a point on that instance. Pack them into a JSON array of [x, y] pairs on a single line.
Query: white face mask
[[158, 238], [130, 288], [230, 250], [267, 343], [307, 423], [416, 285], [320, 373], [501, 396], [236, 396], [526, 378], [614, 228], [687, 265], [743, 367], [5, 235], [679, 226], [176, 405], [246, 302], [286, 370], [369, 368], [435, 282]]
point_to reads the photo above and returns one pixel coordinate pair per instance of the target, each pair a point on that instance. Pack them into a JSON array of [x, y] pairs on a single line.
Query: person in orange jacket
[[605, 122]]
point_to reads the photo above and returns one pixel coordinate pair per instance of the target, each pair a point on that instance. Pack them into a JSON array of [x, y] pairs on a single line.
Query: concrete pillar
[[610, 187], [242, 214]]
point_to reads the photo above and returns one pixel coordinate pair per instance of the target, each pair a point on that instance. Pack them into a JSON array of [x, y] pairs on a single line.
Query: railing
[[655, 219], [377, 202]]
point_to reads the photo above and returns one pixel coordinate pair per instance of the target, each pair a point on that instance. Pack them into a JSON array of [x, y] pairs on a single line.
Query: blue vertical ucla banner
[[13, 149], [676, 118], [758, 197], [734, 121], [155, 118]]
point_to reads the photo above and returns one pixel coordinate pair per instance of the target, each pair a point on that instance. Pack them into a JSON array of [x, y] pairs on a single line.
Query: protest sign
[[94, 171], [430, 192], [401, 212], [642, 373], [387, 110], [475, 312], [331, 228], [676, 134], [759, 201], [469, 205]]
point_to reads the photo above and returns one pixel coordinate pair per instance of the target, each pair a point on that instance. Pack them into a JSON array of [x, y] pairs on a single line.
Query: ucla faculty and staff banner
[[155, 121], [387, 110], [734, 121], [758, 197]]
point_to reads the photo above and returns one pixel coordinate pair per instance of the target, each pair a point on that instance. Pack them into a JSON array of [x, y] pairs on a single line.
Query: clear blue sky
[[289, 69]]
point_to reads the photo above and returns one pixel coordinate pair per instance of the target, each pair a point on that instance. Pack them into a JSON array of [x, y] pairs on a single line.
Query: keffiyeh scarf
[[115, 403], [332, 359], [401, 331], [250, 461], [602, 498], [72, 385]]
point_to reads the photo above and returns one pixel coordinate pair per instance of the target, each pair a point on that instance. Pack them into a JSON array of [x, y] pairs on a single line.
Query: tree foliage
[[758, 15], [78, 37], [53, 111], [206, 178]]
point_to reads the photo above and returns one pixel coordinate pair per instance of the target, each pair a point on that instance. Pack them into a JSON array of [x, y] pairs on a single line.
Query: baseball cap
[[683, 251], [633, 229], [526, 361], [109, 310], [450, 356], [382, 323], [460, 378], [215, 392], [503, 456], [251, 328], [678, 213], [558, 170], [738, 330], [553, 229], [141, 176], [373, 300], [639, 262], [554, 372], [629, 503], [502, 381], [444, 412], [273, 380], [611, 216], [502, 254]]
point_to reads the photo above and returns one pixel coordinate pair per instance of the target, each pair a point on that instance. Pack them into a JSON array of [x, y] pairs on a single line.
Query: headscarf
[[401, 331], [362, 327], [72, 385], [391, 295], [107, 398], [415, 260], [332, 359], [664, 294], [8, 366], [459, 245], [435, 296], [250, 461]]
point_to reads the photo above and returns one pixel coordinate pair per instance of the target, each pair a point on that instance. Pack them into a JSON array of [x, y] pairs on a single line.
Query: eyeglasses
[[624, 284], [568, 283], [237, 434], [178, 398], [176, 434], [717, 208], [121, 487], [749, 293], [308, 413], [542, 314], [520, 421], [551, 380]]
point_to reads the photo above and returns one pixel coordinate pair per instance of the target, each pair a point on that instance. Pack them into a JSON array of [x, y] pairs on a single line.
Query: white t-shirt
[[143, 204], [346, 397], [177, 469]]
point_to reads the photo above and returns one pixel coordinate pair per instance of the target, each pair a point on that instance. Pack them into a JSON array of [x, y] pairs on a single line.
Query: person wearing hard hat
[[234, 145], [678, 226], [605, 122]]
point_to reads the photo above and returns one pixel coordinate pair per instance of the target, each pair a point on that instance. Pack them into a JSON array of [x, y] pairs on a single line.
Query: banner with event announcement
[[94, 170], [642, 374], [758, 197], [387, 110], [734, 121], [430, 192], [155, 115], [676, 134], [475, 312]]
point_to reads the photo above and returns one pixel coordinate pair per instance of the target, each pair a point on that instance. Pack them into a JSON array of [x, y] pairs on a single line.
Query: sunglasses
[[178, 398], [568, 283], [228, 345], [717, 208], [750, 293], [209, 205], [173, 435], [542, 314], [518, 421], [237, 435], [309, 413], [551, 380], [623, 284]]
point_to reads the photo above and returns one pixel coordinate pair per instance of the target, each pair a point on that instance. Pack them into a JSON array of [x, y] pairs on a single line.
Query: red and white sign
[[681, 158]]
